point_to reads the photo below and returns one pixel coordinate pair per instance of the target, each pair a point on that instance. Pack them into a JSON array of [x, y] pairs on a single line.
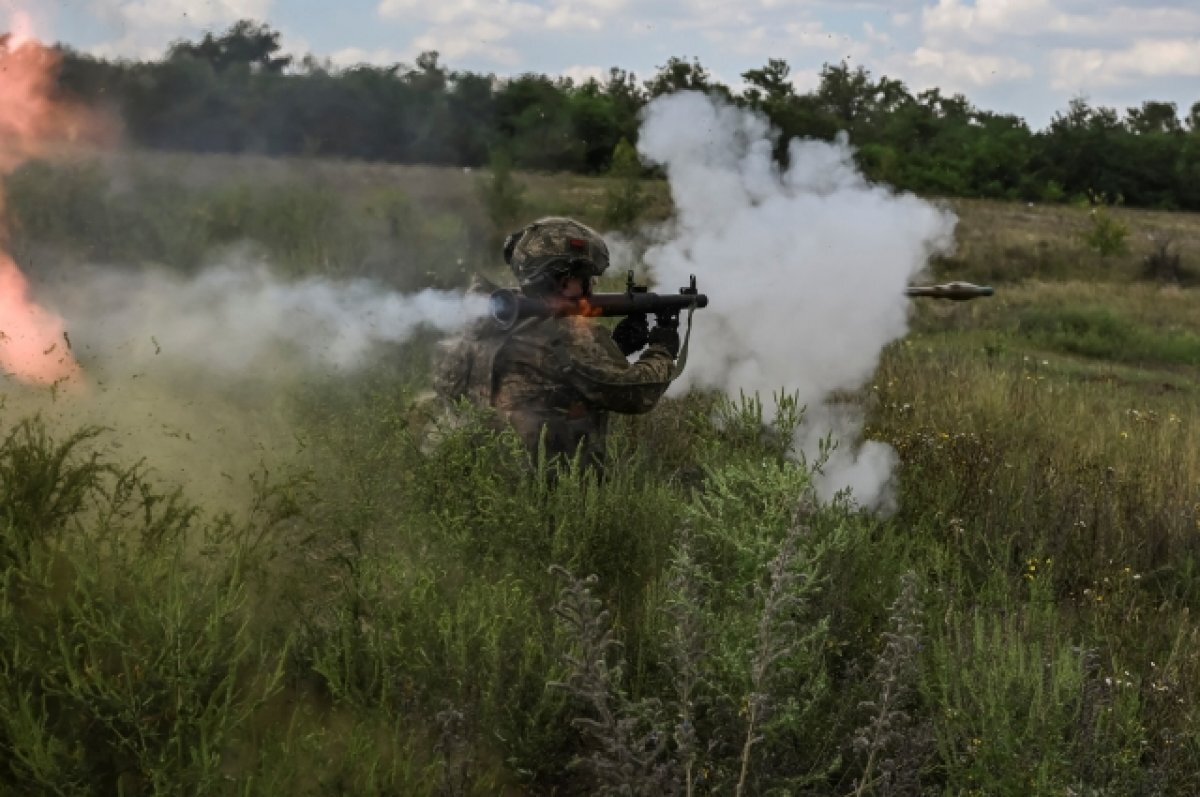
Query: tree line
[[234, 92]]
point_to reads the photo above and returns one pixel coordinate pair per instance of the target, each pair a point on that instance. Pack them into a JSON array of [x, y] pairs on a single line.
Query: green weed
[[427, 611], [1099, 332]]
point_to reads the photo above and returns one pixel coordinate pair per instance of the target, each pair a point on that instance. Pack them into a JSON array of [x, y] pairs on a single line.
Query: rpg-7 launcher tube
[[508, 307], [954, 291]]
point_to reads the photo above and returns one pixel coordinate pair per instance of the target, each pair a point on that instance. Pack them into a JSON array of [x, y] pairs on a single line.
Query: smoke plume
[[805, 267], [241, 321], [182, 371], [187, 373]]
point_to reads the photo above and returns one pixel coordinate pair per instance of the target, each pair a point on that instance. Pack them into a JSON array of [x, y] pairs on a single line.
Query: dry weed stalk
[[627, 746], [895, 743], [775, 640], [688, 648]]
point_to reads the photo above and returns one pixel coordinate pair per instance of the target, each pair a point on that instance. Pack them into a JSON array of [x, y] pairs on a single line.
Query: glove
[[631, 333], [667, 336]]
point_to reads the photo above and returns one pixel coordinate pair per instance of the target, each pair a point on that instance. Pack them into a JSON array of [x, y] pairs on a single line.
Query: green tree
[[471, 111], [247, 44], [1153, 117], [625, 199], [1079, 150], [1193, 118], [533, 117], [844, 94], [769, 85], [679, 74], [503, 197]]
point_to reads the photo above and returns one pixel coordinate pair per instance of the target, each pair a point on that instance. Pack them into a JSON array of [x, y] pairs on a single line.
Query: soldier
[[554, 380]]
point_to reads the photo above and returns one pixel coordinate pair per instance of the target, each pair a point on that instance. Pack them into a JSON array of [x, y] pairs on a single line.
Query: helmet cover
[[555, 247]]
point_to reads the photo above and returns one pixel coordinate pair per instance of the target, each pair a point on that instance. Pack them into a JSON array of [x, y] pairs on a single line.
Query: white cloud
[[582, 74], [986, 19], [994, 20], [583, 14], [355, 56], [1125, 21], [876, 36], [448, 12], [790, 41], [714, 15], [559, 14], [482, 37], [147, 26], [181, 13], [957, 70], [462, 28], [1072, 69], [566, 17]]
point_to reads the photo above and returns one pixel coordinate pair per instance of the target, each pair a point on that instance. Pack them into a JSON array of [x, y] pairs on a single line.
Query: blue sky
[[1027, 57]]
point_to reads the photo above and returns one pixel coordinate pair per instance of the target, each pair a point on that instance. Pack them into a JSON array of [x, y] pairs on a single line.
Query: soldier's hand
[[631, 334], [667, 336]]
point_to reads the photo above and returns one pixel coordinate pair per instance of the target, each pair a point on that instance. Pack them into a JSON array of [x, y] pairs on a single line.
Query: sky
[[1025, 57]]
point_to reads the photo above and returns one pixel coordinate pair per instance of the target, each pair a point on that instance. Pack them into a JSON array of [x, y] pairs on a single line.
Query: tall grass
[[426, 611], [152, 217]]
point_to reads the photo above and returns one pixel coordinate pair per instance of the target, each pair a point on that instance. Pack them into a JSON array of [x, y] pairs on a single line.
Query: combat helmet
[[552, 248]]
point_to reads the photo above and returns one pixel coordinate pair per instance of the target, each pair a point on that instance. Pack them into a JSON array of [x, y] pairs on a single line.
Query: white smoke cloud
[[186, 372], [805, 268], [244, 321]]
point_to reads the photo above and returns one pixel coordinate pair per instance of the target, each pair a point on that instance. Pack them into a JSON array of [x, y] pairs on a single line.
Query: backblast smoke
[[182, 370], [192, 373], [806, 266], [239, 321]]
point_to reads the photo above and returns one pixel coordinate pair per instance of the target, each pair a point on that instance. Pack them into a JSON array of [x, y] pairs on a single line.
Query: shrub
[[1101, 333], [44, 484], [130, 664], [625, 199], [1106, 235], [1165, 264], [503, 197]]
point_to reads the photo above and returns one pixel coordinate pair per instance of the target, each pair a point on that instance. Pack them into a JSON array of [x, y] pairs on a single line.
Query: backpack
[[464, 366]]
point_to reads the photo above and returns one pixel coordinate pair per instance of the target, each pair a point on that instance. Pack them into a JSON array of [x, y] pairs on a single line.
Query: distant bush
[[625, 200], [1106, 235], [503, 196], [1053, 191], [1099, 332], [1165, 264]]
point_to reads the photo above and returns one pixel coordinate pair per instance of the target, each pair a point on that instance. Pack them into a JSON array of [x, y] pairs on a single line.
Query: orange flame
[[587, 310], [33, 342]]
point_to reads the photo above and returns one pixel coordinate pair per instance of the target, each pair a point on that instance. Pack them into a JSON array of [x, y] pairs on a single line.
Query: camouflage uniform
[[553, 377], [554, 380]]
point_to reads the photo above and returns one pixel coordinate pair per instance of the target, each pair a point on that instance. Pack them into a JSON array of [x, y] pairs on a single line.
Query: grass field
[[356, 611]]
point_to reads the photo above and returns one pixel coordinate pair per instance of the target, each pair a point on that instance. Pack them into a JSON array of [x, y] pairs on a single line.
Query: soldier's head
[[556, 255]]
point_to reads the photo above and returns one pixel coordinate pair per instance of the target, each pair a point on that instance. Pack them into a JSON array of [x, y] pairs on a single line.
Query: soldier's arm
[[595, 367]]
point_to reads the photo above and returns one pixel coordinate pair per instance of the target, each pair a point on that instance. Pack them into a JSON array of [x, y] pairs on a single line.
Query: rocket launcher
[[508, 306]]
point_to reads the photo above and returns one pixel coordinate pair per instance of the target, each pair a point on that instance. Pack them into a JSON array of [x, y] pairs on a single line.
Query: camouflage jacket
[[557, 377]]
